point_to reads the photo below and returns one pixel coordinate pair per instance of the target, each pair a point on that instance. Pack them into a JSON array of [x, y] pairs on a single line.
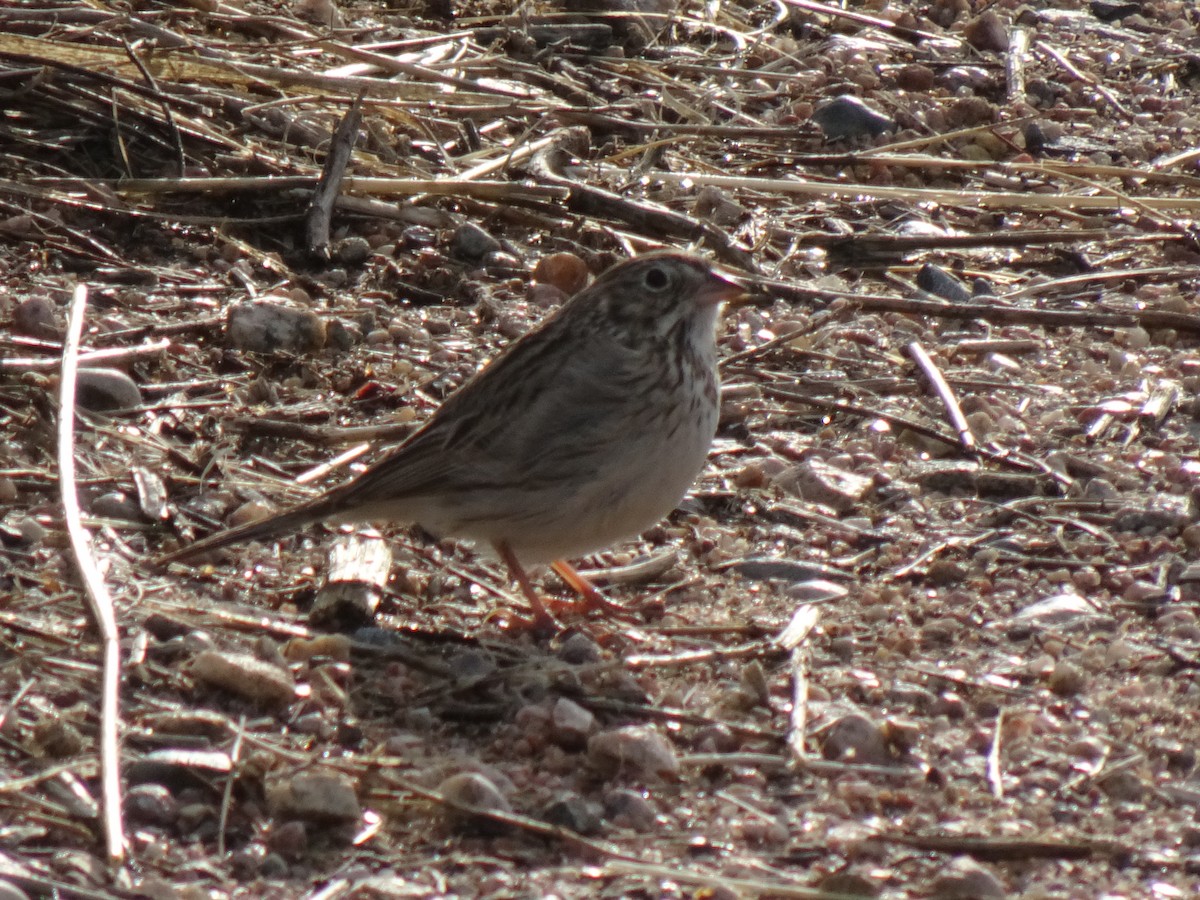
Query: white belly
[[626, 497]]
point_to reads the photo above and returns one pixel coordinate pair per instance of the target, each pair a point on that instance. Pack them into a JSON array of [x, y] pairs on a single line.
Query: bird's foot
[[591, 598], [540, 624]]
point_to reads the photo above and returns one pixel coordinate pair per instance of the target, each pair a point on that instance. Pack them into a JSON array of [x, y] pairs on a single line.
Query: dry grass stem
[[95, 590]]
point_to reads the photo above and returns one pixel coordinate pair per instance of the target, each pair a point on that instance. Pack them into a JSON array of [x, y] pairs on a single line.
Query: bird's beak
[[722, 287]]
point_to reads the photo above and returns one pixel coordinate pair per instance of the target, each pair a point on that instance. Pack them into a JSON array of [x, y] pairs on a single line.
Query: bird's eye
[[657, 278]]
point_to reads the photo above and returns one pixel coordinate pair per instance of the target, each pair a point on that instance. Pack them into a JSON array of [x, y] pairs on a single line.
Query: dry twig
[[946, 394], [95, 589]]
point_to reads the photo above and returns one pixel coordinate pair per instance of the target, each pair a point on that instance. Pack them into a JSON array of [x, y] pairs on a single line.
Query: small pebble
[[716, 738], [474, 790], [1155, 511], [964, 78], [37, 317], [319, 12], [503, 264], [819, 482], [417, 237], [23, 226], [915, 77], [574, 813], [151, 804], [195, 819], [332, 278], [380, 337], [315, 797], [579, 649], [945, 572], [1123, 785], [1066, 679], [636, 751], [289, 841], [342, 335], [713, 205], [1114, 10], [546, 296], [1058, 609], [987, 32], [246, 862], [314, 724], [940, 283], [58, 738], [30, 530], [850, 884], [1136, 338], [472, 243], [571, 725], [274, 866], [965, 879], [856, 739], [106, 390], [967, 112], [353, 251], [473, 663], [244, 675], [565, 271], [263, 326], [119, 506], [1100, 489], [626, 808], [848, 117], [1090, 749]]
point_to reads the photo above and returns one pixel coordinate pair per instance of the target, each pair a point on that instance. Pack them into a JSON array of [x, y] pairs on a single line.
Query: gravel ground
[[900, 641]]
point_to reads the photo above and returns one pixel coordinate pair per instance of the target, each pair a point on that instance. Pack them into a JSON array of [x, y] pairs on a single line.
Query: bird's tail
[[292, 519]]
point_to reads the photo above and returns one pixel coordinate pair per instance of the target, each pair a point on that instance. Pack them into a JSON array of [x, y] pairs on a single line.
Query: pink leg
[[542, 619], [592, 598]]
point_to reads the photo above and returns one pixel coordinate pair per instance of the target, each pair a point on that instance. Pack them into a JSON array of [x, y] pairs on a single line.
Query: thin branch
[[320, 210], [227, 793], [994, 776], [928, 367], [548, 168], [859, 191], [792, 639], [748, 886], [1074, 71], [885, 25], [109, 356], [530, 825], [164, 103], [93, 583], [992, 312], [1014, 64]]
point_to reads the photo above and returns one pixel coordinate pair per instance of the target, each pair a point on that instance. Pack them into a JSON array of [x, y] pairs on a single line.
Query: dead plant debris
[[994, 690]]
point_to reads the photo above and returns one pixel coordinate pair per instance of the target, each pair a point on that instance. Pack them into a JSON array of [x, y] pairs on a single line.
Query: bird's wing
[[507, 416]]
